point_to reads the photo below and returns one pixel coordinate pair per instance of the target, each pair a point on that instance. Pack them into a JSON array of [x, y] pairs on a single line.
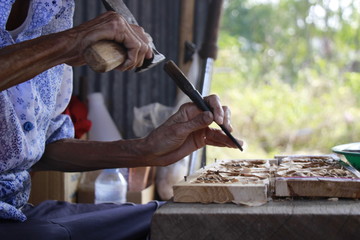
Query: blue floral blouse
[[30, 113]]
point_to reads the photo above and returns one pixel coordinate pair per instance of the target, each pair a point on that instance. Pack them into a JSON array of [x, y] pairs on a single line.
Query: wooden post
[[186, 31]]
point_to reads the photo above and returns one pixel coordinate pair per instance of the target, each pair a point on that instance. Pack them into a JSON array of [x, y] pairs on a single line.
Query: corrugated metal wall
[[124, 91]]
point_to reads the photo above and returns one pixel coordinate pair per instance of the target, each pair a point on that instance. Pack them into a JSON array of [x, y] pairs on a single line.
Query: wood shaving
[[253, 171], [312, 167], [241, 171]]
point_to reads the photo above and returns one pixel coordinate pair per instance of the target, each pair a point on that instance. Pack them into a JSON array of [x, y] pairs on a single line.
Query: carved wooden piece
[[315, 176], [227, 181]]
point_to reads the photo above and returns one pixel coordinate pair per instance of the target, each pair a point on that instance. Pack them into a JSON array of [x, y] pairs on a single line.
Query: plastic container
[[86, 188], [110, 187]]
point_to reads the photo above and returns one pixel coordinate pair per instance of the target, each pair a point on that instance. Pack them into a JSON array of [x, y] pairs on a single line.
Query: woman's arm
[[23, 61], [72, 155], [184, 132]]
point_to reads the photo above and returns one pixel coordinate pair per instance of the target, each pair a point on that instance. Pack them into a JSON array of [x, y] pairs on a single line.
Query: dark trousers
[[63, 220]]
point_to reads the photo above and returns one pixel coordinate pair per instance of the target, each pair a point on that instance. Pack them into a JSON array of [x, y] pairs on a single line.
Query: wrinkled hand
[[111, 26], [188, 130]]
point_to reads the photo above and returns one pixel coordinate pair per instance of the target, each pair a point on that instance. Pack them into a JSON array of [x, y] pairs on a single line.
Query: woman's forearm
[[184, 132], [71, 155], [23, 61]]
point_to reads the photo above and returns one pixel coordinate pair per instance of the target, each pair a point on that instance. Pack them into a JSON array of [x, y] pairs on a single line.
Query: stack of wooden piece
[[254, 181]]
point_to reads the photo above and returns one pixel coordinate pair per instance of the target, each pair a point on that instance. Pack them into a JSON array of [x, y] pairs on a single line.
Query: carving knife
[[183, 83]]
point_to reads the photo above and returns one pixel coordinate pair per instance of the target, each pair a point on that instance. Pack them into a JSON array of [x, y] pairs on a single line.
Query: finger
[[214, 102], [136, 56], [150, 53], [181, 134], [216, 137], [144, 51], [136, 48], [201, 121], [227, 116], [186, 111], [133, 46], [146, 38], [149, 38]]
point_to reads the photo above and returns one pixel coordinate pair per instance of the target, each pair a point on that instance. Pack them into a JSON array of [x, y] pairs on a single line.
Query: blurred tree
[[292, 73], [290, 35]]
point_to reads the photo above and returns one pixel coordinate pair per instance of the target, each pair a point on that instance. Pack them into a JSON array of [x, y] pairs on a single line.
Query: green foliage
[[290, 75]]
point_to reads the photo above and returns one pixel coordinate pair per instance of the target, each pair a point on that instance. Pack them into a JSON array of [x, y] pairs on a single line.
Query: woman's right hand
[[110, 26]]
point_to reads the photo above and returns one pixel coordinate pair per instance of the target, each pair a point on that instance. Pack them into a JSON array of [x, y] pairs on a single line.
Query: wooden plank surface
[[285, 219], [186, 33]]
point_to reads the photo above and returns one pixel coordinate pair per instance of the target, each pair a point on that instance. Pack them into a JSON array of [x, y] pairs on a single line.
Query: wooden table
[[278, 219]]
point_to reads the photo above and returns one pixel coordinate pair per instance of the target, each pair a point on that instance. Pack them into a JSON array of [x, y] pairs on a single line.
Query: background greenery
[[290, 72]]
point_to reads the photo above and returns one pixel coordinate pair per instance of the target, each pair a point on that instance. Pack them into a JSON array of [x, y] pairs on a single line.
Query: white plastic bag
[[146, 119]]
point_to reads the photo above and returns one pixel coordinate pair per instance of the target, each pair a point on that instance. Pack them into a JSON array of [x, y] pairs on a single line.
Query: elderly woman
[[38, 46]]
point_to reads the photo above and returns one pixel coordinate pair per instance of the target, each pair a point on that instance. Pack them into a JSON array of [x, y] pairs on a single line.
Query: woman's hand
[[110, 26], [188, 130]]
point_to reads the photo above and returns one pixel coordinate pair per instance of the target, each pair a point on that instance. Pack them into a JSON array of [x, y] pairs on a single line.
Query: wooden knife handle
[[105, 55]]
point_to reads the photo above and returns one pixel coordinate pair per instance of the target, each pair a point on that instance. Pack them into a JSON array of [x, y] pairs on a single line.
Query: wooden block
[[252, 195], [317, 187], [316, 176], [238, 187]]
